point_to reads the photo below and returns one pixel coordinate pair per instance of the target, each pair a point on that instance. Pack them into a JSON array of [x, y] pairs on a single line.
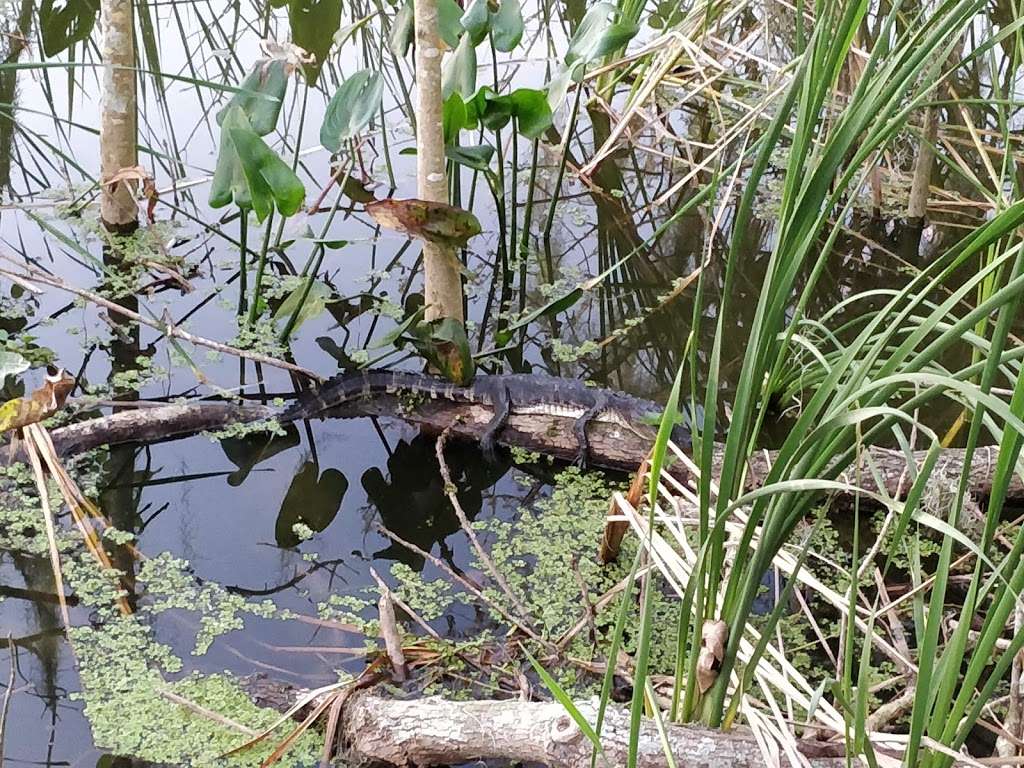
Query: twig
[[465, 584], [6, 707], [588, 607], [166, 327], [209, 714], [449, 489], [391, 634]]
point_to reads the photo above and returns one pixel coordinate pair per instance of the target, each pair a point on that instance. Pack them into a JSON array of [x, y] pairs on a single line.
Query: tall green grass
[[861, 383]]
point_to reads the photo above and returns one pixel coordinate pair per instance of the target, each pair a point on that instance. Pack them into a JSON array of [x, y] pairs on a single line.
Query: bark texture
[[435, 731], [442, 278], [119, 115]]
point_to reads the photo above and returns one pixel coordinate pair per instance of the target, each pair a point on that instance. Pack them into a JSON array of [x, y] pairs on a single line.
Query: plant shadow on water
[[291, 516]]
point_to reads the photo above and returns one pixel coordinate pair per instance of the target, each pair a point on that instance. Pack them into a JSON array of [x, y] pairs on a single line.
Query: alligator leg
[[579, 429], [501, 402]]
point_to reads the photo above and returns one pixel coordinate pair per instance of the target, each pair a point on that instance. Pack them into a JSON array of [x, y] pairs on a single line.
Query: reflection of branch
[[246, 592], [6, 707], [449, 490], [34, 595]]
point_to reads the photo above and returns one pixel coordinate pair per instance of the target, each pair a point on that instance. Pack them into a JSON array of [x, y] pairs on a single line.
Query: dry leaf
[[41, 404], [149, 192], [134, 173], [434, 222], [713, 636]]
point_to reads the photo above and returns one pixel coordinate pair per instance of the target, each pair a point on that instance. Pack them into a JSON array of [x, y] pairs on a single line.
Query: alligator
[[504, 394]]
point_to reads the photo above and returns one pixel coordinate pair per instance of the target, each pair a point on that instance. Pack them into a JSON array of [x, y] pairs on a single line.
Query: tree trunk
[[119, 116], [442, 278], [435, 731]]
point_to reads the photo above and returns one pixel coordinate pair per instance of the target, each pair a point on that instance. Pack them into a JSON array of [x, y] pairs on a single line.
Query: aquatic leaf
[[477, 21], [11, 364], [453, 117], [402, 30], [434, 222], [601, 32], [313, 500], [443, 343], [260, 97], [449, 22], [459, 75], [61, 27], [270, 179], [313, 24], [507, 25], [396, 333], [528, 105], [553, 307], [477, 157], [315, 303], [351, 108]]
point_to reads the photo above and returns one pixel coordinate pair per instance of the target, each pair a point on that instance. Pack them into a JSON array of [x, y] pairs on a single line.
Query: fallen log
[[435, 731], [611, 445]]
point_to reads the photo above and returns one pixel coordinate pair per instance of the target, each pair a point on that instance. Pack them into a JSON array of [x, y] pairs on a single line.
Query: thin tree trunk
[[119, 118], [442, 279]]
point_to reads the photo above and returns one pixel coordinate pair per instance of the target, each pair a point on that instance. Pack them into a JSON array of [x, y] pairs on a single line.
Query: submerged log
[[611, 445], [436, 731]]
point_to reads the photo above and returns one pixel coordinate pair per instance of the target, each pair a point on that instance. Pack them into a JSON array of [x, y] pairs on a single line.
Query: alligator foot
[[579, 430], [502, 404]]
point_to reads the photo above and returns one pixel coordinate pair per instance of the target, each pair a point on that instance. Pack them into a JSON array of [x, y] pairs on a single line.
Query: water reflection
[[410, 499]]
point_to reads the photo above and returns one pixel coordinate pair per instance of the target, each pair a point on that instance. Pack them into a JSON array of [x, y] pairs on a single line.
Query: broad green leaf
[[507, 25], [532, 111], [435, 222], [459, 75], [260, 97], [453, 117], [402, 30], [229, 183], [264, 169], [314, 24], [449, 22], [477, 20], [478, 158], [395, 333], [250, 174], [61, 27], [443, 343], [11, 364], [601, 32], [316, 302], [528, 105], [354, 104]]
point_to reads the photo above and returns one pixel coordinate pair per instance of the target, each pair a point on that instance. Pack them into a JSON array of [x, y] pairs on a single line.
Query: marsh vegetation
[[796, 227]]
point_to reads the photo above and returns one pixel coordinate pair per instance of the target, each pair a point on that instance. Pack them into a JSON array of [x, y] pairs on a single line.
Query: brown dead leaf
[[713, 637], [150, 193], [133, 174]]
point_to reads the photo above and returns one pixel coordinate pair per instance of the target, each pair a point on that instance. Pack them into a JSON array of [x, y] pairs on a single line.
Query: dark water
[[190, 497]]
